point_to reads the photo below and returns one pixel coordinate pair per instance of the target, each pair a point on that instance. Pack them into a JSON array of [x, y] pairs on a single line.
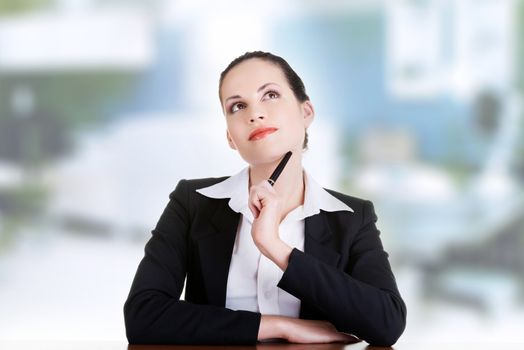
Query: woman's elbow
[[133, 328], [386, 337], [379, 326], [134, 337], [391, 329], [135, 324]]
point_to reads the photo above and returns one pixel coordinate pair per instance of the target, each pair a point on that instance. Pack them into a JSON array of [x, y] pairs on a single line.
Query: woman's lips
[[261, 133]]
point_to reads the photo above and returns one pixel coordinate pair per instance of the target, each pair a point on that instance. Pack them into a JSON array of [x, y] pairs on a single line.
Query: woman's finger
[[255, 201], [259, 195], [254, 210]]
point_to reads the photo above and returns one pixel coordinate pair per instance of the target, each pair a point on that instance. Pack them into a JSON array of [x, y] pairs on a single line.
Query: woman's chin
[[269, 152]]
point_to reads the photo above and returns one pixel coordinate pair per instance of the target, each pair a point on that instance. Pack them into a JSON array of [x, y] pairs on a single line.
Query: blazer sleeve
[[360, 299], [153, 311]]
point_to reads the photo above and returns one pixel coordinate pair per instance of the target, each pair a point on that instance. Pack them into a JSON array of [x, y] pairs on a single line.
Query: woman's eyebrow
[[258, 90], [265, 85], [232, 97]]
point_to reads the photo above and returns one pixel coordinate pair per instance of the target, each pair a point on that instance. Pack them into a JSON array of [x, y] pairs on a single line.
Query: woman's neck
[[290, 184]]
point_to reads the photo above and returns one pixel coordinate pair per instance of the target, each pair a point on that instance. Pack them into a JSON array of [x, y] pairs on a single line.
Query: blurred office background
[[106, 104]]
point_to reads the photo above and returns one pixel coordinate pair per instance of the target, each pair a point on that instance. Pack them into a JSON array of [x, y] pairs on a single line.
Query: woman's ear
[[308, 112], [230, 141]]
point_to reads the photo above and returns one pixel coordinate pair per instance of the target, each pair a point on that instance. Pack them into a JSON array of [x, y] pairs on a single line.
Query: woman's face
[[264, 118]]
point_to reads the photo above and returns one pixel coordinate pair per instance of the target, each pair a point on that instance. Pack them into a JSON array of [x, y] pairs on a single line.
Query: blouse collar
[[235, 187]]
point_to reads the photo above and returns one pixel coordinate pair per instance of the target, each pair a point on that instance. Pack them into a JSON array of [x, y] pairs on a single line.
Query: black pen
[[273, 178]]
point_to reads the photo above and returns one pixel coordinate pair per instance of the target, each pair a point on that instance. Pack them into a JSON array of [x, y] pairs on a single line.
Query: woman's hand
[[301, 331], [266, 207]]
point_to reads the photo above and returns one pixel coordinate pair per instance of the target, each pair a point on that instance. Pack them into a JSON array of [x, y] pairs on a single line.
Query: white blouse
[[253, 278]]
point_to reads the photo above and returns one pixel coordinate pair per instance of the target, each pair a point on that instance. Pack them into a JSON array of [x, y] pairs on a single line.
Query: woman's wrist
[[271, 327], [278, 252]]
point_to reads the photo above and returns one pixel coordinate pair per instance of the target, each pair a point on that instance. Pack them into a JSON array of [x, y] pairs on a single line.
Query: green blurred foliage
[[19, 206], [10, 7], [23, 200]]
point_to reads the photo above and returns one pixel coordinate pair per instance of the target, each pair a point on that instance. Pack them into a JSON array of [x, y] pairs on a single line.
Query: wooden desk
[[95, 345], [401, 345], [355, 346]]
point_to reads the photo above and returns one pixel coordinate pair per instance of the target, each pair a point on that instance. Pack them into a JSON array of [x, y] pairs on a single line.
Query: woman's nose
[[255, 117]]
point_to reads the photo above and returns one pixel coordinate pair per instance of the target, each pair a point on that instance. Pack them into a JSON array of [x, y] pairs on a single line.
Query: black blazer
[[343, 276]]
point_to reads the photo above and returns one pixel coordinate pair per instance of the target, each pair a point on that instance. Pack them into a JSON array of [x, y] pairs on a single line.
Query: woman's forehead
[[250, 75]]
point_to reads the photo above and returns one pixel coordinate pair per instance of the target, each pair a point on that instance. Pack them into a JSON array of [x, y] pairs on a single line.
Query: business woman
[[261, 260]]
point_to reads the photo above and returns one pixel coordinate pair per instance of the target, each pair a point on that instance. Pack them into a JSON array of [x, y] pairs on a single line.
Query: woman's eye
[[237, 106], [272, 94]]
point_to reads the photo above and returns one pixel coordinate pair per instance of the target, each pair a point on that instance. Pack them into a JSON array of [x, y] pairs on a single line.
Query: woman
[[291, 261]]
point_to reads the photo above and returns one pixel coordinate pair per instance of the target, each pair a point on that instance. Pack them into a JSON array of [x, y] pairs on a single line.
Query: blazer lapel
[[215, 249], [319, 240]]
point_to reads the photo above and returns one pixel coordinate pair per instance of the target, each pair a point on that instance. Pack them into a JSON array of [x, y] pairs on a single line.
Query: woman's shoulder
[[197, 183]]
